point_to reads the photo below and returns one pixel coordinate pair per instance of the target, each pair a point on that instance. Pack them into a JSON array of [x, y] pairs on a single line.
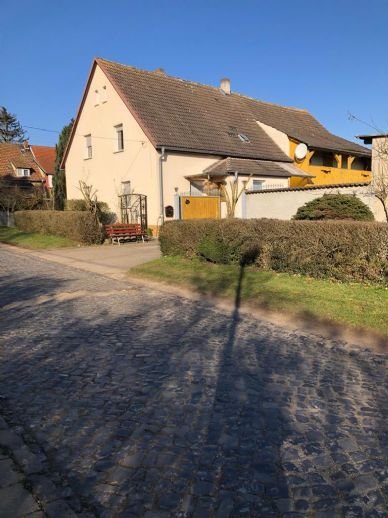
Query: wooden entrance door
[[200, 207]]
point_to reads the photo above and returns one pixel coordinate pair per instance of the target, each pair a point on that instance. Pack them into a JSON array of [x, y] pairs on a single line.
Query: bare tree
[[89, 194], [230, 191], [379, 184]]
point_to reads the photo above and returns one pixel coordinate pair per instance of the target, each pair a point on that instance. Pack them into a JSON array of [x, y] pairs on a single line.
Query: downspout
[[161, 193]]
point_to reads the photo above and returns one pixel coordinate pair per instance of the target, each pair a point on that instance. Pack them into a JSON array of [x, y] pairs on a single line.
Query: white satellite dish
[[301, 151]]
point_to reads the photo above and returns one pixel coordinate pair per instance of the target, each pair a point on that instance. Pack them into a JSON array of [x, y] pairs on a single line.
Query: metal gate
[[134, 209], [200, 207]]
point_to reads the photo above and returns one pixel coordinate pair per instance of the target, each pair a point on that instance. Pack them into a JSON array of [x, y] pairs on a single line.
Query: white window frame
[[23, 171], [119, 141], [88, 147]]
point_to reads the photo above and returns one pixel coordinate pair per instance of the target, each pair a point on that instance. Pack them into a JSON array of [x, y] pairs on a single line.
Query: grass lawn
[[347, 303], [13, 236]]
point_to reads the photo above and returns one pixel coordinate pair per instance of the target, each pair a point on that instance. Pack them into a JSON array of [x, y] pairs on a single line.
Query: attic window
[[243, 137], [104, 95], [23, 172], [96, 97]]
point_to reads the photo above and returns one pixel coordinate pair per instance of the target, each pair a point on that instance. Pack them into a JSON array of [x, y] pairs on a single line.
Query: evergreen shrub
[[335, 206]]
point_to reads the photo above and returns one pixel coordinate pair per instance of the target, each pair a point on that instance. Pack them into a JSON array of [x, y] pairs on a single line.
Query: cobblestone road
[[122, 401]]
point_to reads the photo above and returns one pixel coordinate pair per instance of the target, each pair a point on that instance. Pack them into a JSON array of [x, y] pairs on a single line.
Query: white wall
[[137, 163], [280, 138], [284, 204], [176, 166]]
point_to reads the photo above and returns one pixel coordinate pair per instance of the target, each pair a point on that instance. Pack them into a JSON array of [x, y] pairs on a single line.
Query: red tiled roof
[[45, 157], [15, 155]]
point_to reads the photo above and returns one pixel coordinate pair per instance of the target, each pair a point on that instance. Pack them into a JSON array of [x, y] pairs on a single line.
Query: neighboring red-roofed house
[[17, 164], [45, 158]]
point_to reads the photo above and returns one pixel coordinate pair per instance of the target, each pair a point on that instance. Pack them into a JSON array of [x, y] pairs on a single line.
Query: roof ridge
[[197, 83], [271, 104], [154, 72]]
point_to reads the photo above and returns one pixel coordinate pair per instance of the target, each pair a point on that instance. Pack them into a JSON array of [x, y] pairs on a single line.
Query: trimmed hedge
[[79, 226], [105, 216], [343, 250]]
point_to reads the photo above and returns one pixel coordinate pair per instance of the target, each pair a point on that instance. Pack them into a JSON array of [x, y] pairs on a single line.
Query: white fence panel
[[283, 204]]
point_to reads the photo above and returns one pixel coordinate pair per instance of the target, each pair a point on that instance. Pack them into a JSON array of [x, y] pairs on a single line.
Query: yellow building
[[329, 167]]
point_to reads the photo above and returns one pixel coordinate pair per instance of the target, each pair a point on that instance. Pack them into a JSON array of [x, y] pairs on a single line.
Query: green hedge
[[79, 226], [343, 250]]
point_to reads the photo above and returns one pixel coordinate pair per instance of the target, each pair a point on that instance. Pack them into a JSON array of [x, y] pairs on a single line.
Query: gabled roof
[[301, 126], [45, 157], [17, 156], [182, 115], [248, 167]]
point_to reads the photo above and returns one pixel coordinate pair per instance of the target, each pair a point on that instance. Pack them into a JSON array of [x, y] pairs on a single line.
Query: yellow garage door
[[200, 207]]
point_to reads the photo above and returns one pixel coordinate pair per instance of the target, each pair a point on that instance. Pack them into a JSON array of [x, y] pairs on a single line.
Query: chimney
[[160, 71], [225, 85], [26, 145]]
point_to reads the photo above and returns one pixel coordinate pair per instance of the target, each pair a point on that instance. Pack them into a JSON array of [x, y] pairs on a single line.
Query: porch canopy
[[249, 167]]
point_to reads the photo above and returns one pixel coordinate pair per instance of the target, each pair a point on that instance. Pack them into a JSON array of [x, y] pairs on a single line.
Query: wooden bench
[[125, 231]]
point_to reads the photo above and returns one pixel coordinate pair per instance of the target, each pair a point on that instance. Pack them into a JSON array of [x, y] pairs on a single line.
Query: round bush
[[335, 206]]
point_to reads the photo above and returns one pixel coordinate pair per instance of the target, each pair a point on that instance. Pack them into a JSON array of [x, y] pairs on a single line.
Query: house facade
[[149, 133]]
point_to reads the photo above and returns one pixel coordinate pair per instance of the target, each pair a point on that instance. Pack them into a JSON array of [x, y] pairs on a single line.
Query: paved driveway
[[106, 259], [132, 402]]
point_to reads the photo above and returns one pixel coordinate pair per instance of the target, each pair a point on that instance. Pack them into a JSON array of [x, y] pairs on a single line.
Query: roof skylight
[[243, 137]]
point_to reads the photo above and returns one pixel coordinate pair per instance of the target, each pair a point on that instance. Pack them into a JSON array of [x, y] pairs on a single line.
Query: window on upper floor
[[88, 146], [21, 171], [323, 158], [119, 146], [96, 97], [126, 187]]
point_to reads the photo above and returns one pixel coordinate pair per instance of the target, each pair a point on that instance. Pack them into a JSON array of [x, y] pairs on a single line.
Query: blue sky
[[330, 57]]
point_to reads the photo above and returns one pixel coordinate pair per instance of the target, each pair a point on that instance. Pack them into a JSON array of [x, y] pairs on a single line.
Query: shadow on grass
[[147, 402], [227, 282]]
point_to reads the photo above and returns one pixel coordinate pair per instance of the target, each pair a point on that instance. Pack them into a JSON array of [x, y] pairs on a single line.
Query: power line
[[353, 117], [79, 135]]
